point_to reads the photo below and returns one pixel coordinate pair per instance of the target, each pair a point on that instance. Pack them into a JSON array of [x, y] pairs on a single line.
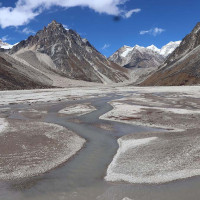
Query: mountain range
[[142, 60], [61, 55], [56, 57], [139, 56], [167, 49]]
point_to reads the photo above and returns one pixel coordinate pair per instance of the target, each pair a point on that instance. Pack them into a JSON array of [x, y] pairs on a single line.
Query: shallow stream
[[81, 178]]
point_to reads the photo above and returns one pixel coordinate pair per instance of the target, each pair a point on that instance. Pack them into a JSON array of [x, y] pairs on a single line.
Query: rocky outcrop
[[182, 67], [73, 56]]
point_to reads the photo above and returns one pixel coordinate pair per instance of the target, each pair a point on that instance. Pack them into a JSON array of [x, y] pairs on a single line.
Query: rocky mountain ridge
[[182, 67], [166, 50], [70, 55], [142, 61], [126, 54], [136, 56]]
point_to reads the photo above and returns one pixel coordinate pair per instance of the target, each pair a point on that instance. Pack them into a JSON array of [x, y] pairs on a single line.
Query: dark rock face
[[72, 55], [182, 67]]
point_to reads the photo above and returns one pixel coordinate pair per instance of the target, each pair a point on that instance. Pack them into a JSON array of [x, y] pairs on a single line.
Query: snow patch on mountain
[[126, 54], [169, 48], [4, 45], [154, 48], [165, 50], [142, 60], [127, 51]]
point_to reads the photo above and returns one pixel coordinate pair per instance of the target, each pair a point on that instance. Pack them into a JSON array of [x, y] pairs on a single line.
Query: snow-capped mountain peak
[[154, 48], [125, 54], [138, 47], [164, 51], [126, 50], [169, 48], [5, 45]]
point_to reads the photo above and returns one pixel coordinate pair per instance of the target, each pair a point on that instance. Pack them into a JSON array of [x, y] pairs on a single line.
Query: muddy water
[[81, 178]]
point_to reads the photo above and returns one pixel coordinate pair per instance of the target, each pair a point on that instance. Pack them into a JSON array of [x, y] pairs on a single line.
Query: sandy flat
[[156, 160], [29, 148], [46, 95], [78, 109], [157, 157]]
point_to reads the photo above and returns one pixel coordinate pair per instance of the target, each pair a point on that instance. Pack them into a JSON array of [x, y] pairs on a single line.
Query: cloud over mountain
[[26, 10]]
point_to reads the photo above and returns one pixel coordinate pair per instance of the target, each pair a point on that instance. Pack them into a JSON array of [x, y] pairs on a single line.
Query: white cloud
[[28, 31], [145, 32], [15, 16], [129, 13], [26, 10], [106, 46], [154, 31]]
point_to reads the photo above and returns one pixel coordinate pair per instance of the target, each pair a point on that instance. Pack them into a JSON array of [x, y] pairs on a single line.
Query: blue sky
[[142, 22]]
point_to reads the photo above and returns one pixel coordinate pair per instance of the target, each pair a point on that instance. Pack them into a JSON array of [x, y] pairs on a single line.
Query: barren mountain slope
[[72, 56], [45, 65], [16, 75], [182, 67]]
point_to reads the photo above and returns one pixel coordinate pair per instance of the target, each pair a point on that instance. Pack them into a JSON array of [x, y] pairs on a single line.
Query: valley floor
[[157, 130]]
